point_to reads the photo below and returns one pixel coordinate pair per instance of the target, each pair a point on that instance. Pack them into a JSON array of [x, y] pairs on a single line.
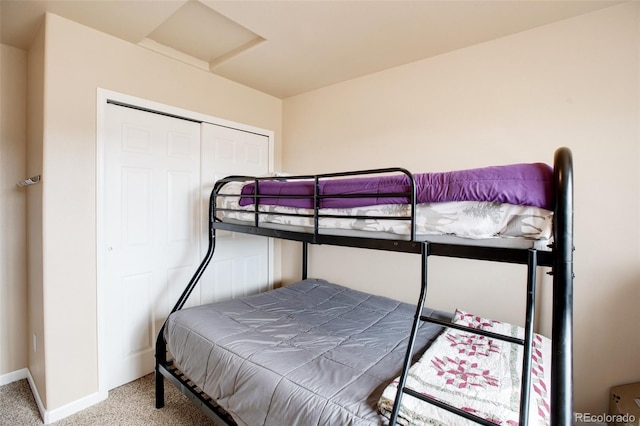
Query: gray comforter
[[310, 353]]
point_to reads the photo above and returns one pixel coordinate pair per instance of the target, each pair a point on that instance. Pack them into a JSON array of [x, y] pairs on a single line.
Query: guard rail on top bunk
[[559, 257]]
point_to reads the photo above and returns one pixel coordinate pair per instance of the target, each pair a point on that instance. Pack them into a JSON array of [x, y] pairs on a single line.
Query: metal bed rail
[[316, 198]]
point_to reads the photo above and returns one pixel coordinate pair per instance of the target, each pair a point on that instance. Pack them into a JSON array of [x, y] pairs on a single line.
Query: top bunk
[[495, 213]]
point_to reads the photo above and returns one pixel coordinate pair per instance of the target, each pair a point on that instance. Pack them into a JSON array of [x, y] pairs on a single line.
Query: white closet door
[[240, 265], [152, 230]]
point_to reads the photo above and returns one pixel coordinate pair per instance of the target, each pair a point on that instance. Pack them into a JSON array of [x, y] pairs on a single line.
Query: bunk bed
[[315, 352]]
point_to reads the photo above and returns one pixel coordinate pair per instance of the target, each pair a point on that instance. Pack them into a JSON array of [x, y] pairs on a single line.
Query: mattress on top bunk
[[507, 225], [505, 204], [309, 353]]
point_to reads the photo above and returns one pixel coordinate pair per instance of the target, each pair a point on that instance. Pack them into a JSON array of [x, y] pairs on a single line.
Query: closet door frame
[[104, 96]]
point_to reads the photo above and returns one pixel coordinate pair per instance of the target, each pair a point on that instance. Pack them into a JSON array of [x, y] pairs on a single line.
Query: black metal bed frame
[[559, 258]]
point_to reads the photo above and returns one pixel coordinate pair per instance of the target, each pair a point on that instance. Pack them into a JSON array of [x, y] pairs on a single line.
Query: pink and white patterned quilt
[[477, 374]]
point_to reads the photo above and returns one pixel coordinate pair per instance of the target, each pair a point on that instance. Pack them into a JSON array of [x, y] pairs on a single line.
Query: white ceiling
[[285, 48]]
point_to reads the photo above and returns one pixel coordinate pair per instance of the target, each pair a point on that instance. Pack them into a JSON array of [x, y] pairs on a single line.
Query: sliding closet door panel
[[152, 230], [240, 265]]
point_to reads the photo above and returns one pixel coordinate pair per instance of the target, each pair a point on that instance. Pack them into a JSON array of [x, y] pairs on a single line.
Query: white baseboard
[[51, 416], [36, 396], [5, 379]]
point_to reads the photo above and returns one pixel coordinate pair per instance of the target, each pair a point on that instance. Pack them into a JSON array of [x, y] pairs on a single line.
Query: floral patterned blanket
[[477, 374]]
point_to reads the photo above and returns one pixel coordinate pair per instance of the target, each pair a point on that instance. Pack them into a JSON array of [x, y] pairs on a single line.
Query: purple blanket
[[520, 184]]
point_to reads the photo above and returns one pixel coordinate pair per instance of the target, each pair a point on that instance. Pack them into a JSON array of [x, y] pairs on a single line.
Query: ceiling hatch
[[198, 32]]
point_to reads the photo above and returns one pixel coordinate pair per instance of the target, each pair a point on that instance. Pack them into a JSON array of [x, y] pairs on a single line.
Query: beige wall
[[35, 211], [13, 250], [573, 83], [77, 61]]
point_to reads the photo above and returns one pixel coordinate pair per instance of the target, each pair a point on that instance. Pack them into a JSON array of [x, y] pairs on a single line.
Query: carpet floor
[[132, 404]]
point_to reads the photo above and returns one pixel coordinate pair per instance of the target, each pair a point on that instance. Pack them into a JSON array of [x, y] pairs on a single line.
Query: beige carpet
[[132, 404]]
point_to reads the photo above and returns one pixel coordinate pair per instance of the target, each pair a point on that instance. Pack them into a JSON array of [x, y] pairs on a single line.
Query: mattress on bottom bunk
[[309, 353]]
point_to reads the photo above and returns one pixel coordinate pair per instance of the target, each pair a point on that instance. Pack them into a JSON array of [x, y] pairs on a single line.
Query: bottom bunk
[[318, 353]]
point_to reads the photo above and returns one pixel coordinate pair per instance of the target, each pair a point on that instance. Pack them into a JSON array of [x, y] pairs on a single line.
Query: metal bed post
[[525, 386], [161, 347], [161, 359], [412, 337], [562, 331], [305, 259], [256, 204]]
